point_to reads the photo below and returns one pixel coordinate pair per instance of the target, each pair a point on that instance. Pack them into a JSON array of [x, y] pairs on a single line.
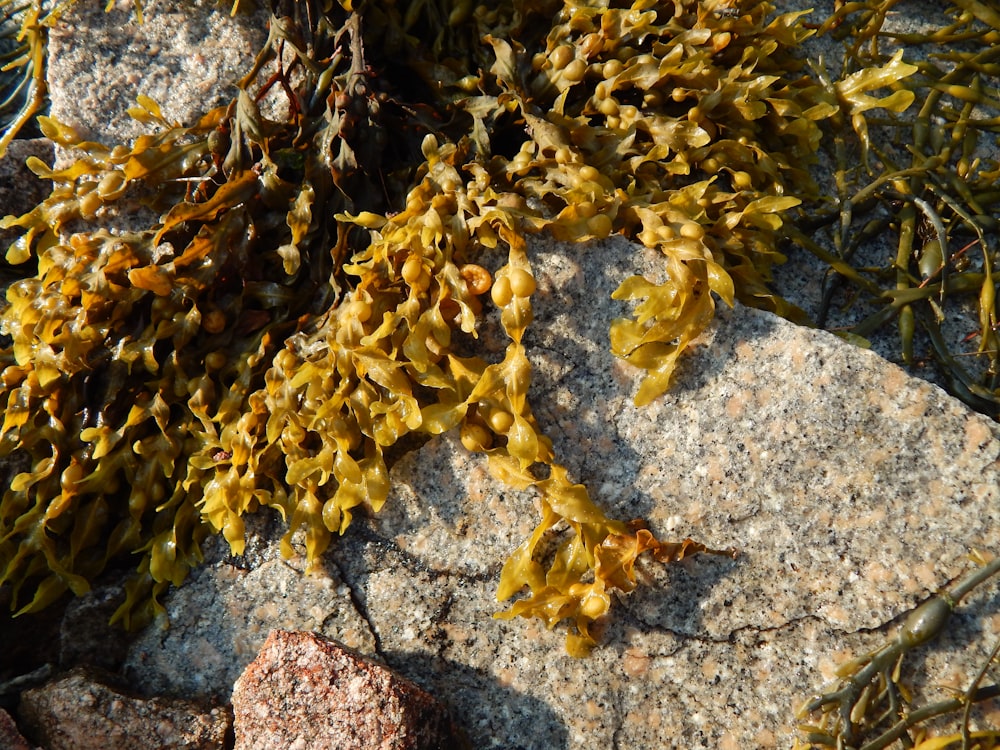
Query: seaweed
[[22, 56], [870, 705], [935, 199], [310, 294], [934, 202]]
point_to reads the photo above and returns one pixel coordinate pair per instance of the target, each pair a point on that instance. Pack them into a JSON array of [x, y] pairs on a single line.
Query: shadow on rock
[[512, 720], [670, 596]]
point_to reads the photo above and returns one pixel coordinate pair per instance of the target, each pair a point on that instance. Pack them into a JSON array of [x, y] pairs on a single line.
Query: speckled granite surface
[[186, 56], [851, 489]]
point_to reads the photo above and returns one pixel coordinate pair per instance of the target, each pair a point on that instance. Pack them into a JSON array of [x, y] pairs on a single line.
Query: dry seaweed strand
[[302, 303]]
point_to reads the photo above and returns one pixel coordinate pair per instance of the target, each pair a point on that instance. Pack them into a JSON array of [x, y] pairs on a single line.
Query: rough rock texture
[[852, 490], [307, 692], [219, 624], [93, 83], [10, 737], [20, 190], [80, 711]]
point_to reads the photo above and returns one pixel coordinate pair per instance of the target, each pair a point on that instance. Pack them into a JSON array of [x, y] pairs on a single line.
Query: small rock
[[305, 691], [80, 711], [10, 737]]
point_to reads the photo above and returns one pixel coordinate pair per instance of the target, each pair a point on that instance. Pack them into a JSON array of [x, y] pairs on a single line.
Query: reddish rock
[[10, 737], [79, 711], [307, 692]]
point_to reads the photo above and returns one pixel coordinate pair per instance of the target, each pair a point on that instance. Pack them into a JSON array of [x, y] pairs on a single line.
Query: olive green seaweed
[[937, 197], [935, 202], [868, 707], [311, 291]]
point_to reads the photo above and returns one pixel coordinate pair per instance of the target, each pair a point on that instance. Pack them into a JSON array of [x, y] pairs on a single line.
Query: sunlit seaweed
[[301, 303], [22, 82]]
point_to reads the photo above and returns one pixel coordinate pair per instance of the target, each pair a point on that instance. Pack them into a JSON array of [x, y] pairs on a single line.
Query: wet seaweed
[[301, 303], [935, 199]]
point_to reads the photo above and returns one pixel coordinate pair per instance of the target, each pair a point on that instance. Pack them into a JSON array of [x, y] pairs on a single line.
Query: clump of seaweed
[[301, 304], [935, 199]]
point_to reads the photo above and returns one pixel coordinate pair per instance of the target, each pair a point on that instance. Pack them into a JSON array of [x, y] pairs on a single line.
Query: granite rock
[[216, 625], [82, 711], [307, 692], [100, 62], [852, 490], [10, 736], [20, 190]]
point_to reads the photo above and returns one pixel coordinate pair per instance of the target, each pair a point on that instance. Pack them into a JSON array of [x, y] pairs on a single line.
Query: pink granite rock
[[10, 737], [307, 692], [79, 711]]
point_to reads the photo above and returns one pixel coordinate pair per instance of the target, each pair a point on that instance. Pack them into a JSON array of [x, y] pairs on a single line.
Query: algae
[[310, 296]]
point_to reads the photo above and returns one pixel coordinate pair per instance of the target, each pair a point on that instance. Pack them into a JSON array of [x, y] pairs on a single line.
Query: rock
[[304, 691], [80, 711], [93, 83], [852, 490], [30, 648], [86, 622], [216, 625], [20, 189], [10, 737]]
